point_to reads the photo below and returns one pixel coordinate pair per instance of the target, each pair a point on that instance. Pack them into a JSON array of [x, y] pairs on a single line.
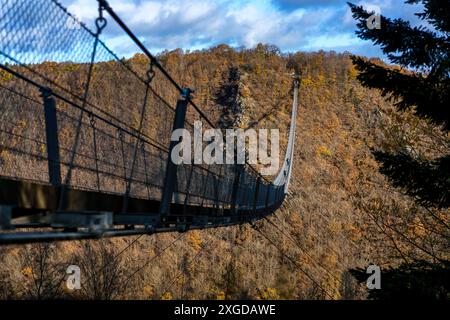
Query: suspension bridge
[[79, 160]]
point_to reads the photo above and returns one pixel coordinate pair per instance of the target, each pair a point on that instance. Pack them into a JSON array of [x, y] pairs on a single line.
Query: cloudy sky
[[292, 25]]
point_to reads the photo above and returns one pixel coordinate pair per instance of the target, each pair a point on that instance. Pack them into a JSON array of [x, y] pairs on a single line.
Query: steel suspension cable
[[107, 7], [77, 106], [255, 227], [150, 76], [303, 250], [179, 274], [100, 23], [160, 253]]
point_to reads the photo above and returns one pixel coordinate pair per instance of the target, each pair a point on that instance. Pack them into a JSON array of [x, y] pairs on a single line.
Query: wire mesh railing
[[76, 116]]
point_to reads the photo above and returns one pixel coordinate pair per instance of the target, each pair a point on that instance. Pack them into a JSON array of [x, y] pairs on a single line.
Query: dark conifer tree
[[422, 85]]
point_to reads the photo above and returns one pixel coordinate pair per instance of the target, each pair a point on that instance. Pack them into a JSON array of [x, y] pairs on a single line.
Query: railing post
[[255, 199], [236, 182], [171, 168], [277, 195], [269, 188], [5, 217], [51, 131]]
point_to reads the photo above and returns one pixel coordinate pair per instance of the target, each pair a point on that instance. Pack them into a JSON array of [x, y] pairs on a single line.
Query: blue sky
[[292, 25]]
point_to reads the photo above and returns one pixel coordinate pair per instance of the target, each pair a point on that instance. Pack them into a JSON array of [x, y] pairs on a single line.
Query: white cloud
[[289, 24]]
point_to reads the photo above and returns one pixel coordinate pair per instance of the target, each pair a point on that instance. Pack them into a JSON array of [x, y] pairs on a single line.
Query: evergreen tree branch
[[437, 12], [408, 90], [427, 181], [414, 47]]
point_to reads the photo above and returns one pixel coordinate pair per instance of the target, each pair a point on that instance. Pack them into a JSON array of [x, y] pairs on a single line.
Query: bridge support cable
[[79, 107], [290, 238], [131, 193], [150, 75], [105, 5], [100, 24], [173, 280], [148, 261], [329, 247], [300, 268]]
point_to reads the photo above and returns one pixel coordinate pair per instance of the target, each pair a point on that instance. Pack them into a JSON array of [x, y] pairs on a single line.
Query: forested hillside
[[340, 214]]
